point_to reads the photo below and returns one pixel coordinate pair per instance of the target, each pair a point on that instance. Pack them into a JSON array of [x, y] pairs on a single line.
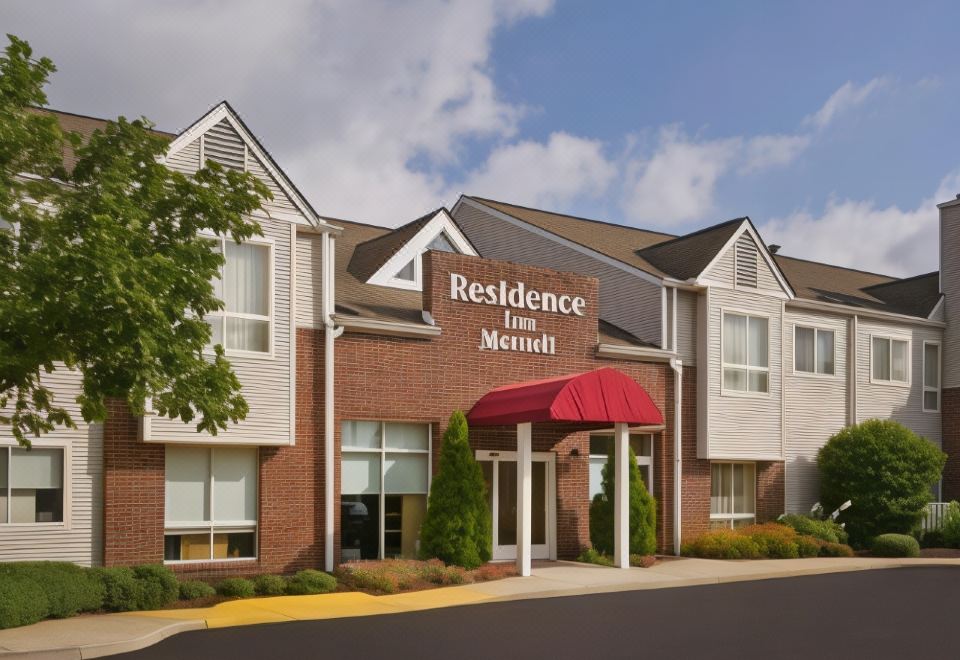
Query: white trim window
[[410, 275], [210, 502], [384, 482], [733, 494], [745, 353], [889, 360], [931, 376], [245, 285], [32, 485], [601, 447], [814, 350]]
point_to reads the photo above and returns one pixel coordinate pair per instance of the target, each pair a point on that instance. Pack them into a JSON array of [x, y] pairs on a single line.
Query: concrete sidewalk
[[97, 636]]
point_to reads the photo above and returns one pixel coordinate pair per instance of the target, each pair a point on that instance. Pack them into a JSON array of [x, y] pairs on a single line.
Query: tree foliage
[[458, 526], [104, 268], [643, 511], [886, 472]]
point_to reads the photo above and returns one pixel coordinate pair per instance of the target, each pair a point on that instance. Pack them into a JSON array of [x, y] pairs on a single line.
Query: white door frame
[[509, 552]]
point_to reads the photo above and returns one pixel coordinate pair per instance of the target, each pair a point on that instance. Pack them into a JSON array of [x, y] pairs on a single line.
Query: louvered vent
[[746, 262], [222, 145]]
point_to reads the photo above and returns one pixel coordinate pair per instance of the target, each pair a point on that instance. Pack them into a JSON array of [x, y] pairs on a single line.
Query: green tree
[[885, 470], [643, 512], [103, 269], [458, 527]]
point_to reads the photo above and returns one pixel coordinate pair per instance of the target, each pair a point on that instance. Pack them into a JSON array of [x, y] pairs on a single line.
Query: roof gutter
[[863, 312], [391, 328], [677, 366], [638, 353]]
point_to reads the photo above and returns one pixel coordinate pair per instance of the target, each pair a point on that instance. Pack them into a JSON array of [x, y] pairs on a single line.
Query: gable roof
[[688, 256], [683, 257], [370, 255]]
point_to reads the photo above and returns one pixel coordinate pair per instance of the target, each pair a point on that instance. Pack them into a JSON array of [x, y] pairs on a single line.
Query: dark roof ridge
[[823, 263], [391, 230], [901, 280], [572, 217]]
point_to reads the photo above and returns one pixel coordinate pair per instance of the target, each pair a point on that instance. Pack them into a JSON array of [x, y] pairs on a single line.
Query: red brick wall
[[425, 380], [950, 420], [770, 490], [132, 492]]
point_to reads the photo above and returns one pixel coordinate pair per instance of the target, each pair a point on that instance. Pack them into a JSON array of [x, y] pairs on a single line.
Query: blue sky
[[832, 125]]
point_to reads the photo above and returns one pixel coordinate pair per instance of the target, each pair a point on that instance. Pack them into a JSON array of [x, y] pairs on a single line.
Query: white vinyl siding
[[265, 377], [931, 376], [79, 537], [626, 300], [816, 407], [725, 271], [739, 425], [309, 303]]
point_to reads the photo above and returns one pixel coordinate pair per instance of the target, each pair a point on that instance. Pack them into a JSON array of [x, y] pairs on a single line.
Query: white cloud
[[676, 183], [848, 96], [901, 242], [766, 151], [551, 175]]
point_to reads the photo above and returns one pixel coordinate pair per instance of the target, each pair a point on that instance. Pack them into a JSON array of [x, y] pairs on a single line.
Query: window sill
[[890, 383], [35, 526], [743, 394], [819, 376], [194, 562]]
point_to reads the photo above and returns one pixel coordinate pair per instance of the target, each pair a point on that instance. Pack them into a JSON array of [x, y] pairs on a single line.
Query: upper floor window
[[746, 353], [410, 272], [31, 485], [245, 286], [931, 376], [890, 360], [813, 350]]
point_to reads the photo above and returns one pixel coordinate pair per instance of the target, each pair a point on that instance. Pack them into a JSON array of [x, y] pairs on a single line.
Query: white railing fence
[[933, 516]]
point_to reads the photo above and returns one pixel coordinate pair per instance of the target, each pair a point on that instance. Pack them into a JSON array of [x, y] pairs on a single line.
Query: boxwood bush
[[825, 530], [69, 589], [122, 591], [22, 601], [193, 589], [236, 588], [895, 545], [159, 586], [270, 585], [310, 581]]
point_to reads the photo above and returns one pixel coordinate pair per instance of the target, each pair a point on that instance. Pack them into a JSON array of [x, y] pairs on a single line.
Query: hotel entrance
[[500, 473]]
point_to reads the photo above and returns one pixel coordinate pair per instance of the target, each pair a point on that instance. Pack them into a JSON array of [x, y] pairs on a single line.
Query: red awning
[[595, 397]]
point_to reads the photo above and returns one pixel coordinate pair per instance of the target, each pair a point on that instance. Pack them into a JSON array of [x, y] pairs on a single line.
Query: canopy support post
[[621, 505], [524, 496]]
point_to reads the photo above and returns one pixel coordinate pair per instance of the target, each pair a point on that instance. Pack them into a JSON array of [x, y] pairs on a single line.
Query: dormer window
[[404, 269]]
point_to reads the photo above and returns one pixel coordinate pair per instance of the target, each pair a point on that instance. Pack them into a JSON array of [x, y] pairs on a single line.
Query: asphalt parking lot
[[889, 613]]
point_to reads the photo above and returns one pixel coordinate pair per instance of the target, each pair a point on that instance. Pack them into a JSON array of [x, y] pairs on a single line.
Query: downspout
[[330, 332], [852, 354], [677, 366]]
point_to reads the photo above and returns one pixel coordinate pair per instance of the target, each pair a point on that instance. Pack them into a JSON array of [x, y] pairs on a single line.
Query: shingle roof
[[683, 257], [84, 126], [371, 254], [687, 256]]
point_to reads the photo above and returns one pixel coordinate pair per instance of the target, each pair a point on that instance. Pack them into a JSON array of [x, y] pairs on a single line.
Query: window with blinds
[[746, 262]]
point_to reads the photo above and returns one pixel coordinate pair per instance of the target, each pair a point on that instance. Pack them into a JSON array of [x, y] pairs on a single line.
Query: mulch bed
[[940, 553]]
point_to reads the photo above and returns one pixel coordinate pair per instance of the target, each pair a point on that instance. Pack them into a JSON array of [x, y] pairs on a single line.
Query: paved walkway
[[97, 636]]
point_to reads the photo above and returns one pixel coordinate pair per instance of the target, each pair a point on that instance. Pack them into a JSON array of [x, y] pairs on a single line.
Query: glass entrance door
[[500, 474]]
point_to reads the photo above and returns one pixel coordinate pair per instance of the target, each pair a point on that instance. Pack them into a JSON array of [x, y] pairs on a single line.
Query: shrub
[[236, 588], [828, 549], [374, 580], [643, 511], [494, 571], [159, 586], [270, 585], [68, 588], [122, 591], [194, 589], [773, 541], [721, 544], [808, 546], [885, 470], [22, 601], [933, 538], [591, 556], [642, 561], [825, 530], [950, 530], [895, 545], [458, 527], [310, 581]]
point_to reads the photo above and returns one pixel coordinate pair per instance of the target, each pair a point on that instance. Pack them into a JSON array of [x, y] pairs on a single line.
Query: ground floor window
[[384, 481], [31, 485], [601, 446], [733, 494], [210, 503]]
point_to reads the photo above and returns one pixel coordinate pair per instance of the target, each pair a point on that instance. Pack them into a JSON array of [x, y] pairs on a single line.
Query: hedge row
[[33, 591], [767, 541]]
